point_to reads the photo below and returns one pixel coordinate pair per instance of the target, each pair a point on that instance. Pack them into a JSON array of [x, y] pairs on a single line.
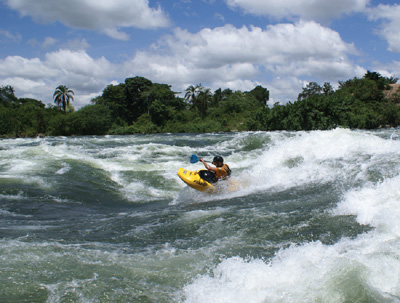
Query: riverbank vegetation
[[140, 106]]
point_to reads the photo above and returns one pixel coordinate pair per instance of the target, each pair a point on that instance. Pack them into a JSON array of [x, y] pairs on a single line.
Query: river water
[[106, 219]]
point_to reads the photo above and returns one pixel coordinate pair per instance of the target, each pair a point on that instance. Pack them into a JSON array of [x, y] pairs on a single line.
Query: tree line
[[140, 106]]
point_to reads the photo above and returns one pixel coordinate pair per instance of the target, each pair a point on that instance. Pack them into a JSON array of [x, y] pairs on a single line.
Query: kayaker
[[214, 174]]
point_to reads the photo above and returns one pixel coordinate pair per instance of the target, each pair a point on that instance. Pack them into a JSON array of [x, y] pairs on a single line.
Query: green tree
[[203, 101], [312, 88], [7, 96], [57, 125], [130, 100], [382, 82], [277, 118], [115, 99], [62, 97], [31, 118], [8, 121], [217, 97], [90, 120], [163, 104], [365, 90], [261, 94], [327, 89], [161, 92], [136, 93], [160, 113]]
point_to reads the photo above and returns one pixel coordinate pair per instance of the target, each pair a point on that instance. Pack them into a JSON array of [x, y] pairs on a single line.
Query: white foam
[[279, 160], [12, 214], [375, 205], [65, 168], [309, 273], [365, 268], [201, 214], [315, 157]]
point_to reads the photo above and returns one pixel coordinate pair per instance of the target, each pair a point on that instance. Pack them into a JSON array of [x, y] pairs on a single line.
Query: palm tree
[[62, 96], [199, 97], [192, 92], [203, 100]]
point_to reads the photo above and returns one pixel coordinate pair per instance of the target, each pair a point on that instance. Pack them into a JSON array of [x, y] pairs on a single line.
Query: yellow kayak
[[193, 179]]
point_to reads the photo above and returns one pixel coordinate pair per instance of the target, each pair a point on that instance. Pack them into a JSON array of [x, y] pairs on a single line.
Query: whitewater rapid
[[103, 219]]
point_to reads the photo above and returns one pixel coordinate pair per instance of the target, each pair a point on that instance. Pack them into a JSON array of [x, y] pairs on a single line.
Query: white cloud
[[228, 57], [391, 24], [7, 37], [225, 54], [320, 10], [51, 43], [77, 62], [102, 15], [76, 44], [220, 17], [29, 88], [48, 42], [291, 85], [38, 78], [33, 69], [391, 69]]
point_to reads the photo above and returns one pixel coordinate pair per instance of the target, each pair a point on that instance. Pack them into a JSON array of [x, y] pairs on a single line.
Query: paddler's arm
[[202, 161], [208, 166]]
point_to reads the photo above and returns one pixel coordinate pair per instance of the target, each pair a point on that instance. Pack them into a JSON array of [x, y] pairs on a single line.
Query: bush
[[90, 120]]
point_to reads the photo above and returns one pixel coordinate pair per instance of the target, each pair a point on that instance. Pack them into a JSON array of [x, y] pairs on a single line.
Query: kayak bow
[[192, 178]]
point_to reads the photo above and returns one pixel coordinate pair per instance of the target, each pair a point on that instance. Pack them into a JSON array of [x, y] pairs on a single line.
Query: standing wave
[[364, 268], [107, 219]]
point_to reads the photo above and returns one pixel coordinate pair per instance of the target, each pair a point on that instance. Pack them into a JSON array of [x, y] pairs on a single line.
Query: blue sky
[[237, 44]]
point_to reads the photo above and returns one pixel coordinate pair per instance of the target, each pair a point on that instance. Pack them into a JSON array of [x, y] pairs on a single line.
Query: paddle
[[195, 159]]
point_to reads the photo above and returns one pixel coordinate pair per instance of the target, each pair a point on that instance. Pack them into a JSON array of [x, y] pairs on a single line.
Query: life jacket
[[223, 171]]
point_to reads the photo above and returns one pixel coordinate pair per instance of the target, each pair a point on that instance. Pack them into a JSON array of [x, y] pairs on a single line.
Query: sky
[[237, 44]]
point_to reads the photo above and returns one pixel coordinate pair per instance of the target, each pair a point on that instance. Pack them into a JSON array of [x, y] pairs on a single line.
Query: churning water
[[106, 219]]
